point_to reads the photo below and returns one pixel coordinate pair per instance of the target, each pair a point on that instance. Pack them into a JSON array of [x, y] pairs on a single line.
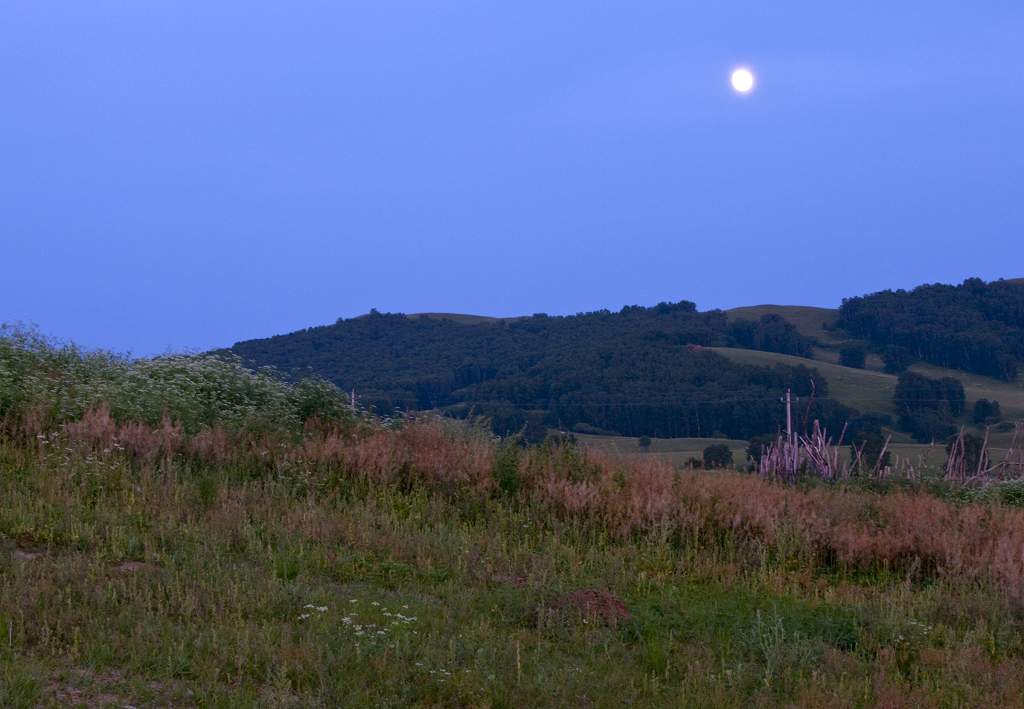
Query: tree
[[897, 359], [928, 426], [975, 326], [644, 442], [717, 455], [771, 333], [986, 411], [534, 431], [953, 393], [758, 446], [853, 356], [927, 406], [868, 447], [975, 455]]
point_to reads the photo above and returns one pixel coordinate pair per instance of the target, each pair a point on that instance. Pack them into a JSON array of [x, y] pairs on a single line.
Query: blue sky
[[183, 175]]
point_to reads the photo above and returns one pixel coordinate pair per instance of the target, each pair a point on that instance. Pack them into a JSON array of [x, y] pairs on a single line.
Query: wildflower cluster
[[379, 623], [311, 607], [57, 383]]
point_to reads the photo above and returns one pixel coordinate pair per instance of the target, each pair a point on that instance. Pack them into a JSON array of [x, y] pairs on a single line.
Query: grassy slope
[[862, 389], [463, 318], [871, 390], [807, 320]]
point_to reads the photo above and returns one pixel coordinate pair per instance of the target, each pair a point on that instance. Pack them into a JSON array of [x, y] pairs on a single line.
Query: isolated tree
[[914, 392], [644, 442], [927, 407], [534, 431], [868, 446], [986, 411], [974, 452], [758, 446], [897, 359], [853, 356], [953, 393], [928, 426], [717, 455], [560, 438]]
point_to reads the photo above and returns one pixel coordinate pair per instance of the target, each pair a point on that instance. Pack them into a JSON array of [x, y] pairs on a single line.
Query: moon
[[742, 80]]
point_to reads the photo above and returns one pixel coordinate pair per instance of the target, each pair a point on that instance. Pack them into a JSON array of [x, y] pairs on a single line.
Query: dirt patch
[[27, 554], [517, 581], [595, 604], [90, 689]]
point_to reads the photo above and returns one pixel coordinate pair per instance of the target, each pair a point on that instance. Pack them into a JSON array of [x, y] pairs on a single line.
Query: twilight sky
[[180, 174]]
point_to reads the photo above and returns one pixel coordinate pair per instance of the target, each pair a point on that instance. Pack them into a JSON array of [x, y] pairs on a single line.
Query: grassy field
[[677, 451], [680, 451], [400, 567]]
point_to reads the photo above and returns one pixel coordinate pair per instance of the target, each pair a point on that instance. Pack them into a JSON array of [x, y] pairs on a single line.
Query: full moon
[[742, 80]]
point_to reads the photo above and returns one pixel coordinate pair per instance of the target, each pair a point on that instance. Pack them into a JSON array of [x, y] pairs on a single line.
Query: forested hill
[[975, 326], [639, 371]]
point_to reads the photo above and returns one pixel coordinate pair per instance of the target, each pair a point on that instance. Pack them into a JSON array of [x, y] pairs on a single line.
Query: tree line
[[638, 371], [976, 326]]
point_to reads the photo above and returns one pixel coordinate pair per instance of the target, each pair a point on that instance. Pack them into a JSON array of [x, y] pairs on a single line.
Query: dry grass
[[147, 565]]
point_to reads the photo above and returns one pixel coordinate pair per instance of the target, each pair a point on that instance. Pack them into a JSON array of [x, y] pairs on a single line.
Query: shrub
[[506, 469], [644, 442], [897, 359], [975, 455], [717, 455], [927, 406], [853, 356], [867, 447], [986, 411], [757, 447]]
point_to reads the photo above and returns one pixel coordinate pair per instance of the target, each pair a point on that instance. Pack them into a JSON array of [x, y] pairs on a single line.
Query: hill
[[666, 371], [461, 318], [639, 371], [809, 321], [975, 326]]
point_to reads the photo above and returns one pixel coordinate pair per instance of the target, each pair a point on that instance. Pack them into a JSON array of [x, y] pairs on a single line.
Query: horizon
[[180, 178], [56, 338]]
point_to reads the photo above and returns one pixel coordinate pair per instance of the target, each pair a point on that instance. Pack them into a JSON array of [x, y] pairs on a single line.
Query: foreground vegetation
[[318, 557]]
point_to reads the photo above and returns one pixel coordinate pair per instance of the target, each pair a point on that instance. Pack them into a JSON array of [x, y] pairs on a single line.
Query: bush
[[644, 442], [870, 445], [928, 426], [506, 469], [853, 356], [974, 452], [897, 359], [986, 411], [717, 455], [928, 406], [758, 446]]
